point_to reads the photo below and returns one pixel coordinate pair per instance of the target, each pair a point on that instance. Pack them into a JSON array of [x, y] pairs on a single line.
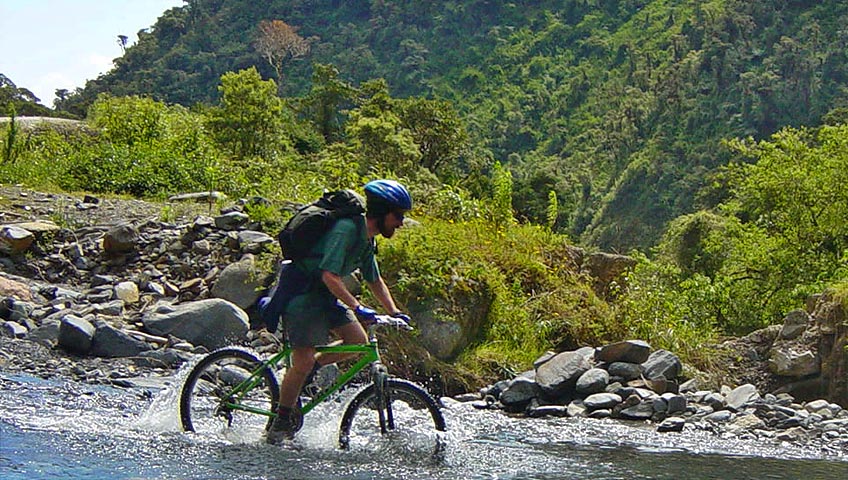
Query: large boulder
[[239, 283], [630, 351], [519, 392], [560, 373], [448, 324], [75, 334], [108, 341], [662, 364], [606, 270], [741, 396], [212, 323]]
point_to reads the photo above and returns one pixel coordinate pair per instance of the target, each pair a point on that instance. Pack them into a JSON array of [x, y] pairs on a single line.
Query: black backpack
[[311, 222]]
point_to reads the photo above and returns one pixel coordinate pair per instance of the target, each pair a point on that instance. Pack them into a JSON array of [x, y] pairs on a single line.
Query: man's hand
[[402, 316], [365, 315]]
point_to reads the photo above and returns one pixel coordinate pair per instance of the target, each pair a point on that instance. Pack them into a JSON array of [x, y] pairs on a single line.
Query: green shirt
[[342, 250]]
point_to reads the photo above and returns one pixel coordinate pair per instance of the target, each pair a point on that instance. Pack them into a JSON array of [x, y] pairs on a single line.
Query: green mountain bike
[[232, 392]]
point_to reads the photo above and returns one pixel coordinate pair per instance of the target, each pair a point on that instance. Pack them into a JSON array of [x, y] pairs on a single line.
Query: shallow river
[[52, 429]]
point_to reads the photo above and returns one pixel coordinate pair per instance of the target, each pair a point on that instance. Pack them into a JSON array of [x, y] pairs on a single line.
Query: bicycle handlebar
[[389, 321]]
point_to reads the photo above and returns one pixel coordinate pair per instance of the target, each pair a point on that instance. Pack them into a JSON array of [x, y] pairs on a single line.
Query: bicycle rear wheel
[[209, 387], [411, 419]]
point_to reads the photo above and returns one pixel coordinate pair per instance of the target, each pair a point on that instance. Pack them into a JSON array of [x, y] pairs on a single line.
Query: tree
[[278, 42], [249, 119], [328, 95]]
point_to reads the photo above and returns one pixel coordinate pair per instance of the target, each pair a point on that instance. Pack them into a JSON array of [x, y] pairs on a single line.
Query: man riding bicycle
[[328, 305]]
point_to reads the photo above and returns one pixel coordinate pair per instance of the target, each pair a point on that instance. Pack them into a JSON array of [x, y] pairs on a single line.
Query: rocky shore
[[106, 291], [630, 382]]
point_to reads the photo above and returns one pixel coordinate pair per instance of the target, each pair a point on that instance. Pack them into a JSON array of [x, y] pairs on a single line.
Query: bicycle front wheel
[[208, 404], [403, 416]]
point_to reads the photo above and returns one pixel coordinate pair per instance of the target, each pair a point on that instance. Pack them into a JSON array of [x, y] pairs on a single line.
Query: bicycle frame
[[369, 354]]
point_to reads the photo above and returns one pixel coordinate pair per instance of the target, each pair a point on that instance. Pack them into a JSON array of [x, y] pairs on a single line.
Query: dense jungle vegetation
[[710, 136]]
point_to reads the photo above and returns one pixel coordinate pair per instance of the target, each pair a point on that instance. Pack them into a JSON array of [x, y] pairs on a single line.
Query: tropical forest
[[707, 141]]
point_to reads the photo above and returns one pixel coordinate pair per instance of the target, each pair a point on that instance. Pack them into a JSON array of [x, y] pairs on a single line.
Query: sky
[[50, 44]]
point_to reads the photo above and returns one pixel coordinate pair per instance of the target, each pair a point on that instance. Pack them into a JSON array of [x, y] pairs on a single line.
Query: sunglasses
[[398, 215]]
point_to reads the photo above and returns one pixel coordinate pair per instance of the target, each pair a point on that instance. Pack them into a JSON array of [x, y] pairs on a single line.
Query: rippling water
[[51, 429]]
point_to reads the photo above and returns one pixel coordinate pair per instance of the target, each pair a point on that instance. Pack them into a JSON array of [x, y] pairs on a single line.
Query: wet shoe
[[287, 422]]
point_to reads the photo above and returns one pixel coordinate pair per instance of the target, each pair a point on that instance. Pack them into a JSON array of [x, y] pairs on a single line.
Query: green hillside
[[709, 136], [618, 106]]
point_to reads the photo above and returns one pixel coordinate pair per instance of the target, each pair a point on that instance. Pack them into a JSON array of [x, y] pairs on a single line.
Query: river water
[[62, 429]]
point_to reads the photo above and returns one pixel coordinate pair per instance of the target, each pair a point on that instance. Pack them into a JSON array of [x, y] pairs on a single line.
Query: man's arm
[[381, 292], [336, 286]]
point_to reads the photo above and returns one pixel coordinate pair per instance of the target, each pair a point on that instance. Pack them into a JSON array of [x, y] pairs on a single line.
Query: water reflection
[[66, 430]]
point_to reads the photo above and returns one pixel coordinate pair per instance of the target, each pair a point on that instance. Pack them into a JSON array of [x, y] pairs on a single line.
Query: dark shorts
[[308, 322]]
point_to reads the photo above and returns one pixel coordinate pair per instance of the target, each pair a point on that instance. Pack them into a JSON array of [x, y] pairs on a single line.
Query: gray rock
[[239, 283], [676, 403], [548, 411], [168, 358], [114, 308], [745, 423], [122, 238], [671, 424], [722, 416], [75, 334], [47, 334], [12, 329], [786, 361], [519, 392], [201, 247], [100, 280], [251, 241], [592, 381], [741, 396], [794, 324], [231, 220], [600, 413], [690, 385], [576, 409], [561, 372], [662, 364], [641, 411], [15, 240], [714, 400], [601, 400], [816, 405], [630, 351], [793, 435], [110, 342], [210, 197], [625, 370], [212, 323]]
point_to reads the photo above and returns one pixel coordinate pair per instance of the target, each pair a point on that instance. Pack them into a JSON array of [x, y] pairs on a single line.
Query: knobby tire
[[205, 390], [405, 411]]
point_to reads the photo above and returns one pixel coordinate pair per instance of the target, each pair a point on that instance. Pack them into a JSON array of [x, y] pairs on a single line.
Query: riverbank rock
[[212, 323], [570, 384]]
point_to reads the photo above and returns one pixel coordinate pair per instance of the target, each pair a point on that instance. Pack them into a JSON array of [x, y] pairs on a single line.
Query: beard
[[385, 231]]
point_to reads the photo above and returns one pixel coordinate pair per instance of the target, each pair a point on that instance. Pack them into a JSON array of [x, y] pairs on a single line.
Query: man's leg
[[303, 358], [350, 334], [289, 419]]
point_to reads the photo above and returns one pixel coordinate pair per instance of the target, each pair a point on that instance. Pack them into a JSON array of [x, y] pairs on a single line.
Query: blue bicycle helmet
[[389, 192]]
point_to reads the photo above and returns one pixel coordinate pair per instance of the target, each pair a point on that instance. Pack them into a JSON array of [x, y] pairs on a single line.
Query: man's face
[[391, 222]]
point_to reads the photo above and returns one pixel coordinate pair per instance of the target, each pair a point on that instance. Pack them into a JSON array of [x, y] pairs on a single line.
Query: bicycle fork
[[380, 377]]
